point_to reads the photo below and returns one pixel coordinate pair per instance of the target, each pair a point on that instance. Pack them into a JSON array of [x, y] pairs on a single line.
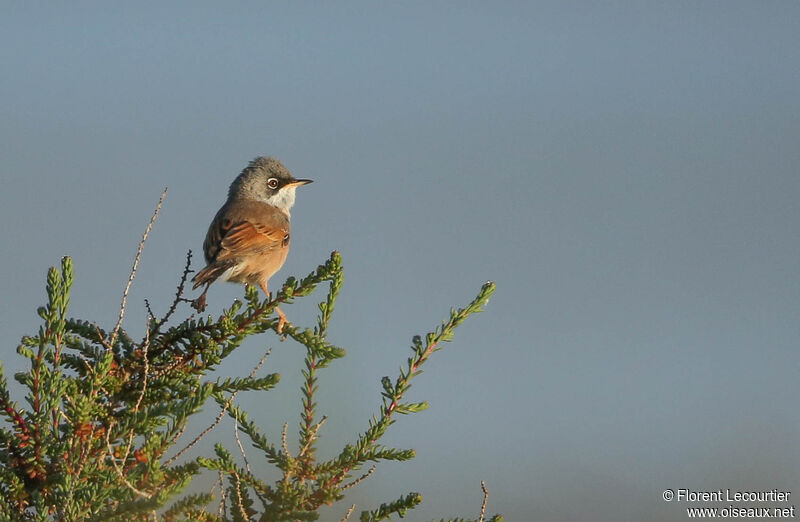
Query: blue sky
[[626, 172]]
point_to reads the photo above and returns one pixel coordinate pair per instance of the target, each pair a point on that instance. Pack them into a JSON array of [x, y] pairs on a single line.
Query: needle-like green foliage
[[102, 431]]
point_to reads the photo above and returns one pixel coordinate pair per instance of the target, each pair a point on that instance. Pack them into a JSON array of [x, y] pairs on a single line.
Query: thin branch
[[223, 494], [349, 512], [186, 271], [239, 495], [256, 315], [101, 337], [203, 433], [174, 438], [283, 440], [119, 471], [178, 296], [402, 384], [150, 314], [241, 448], [145, 348], [219, 417], [133, 269], [359, 479], [485, 499]]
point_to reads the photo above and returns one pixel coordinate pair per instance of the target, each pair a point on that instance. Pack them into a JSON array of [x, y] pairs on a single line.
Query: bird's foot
[[199, 304], [281, 320]]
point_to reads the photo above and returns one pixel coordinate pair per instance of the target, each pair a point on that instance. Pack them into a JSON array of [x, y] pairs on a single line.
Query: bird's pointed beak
[[299, 182]]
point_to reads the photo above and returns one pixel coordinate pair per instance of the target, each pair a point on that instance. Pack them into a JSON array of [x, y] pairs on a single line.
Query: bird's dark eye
[[272, 183]]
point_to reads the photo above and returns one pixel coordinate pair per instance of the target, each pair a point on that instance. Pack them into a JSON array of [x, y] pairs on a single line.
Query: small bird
[[248, 239]]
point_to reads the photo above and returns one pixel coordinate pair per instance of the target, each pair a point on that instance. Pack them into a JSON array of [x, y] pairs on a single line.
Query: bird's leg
[[281, 315], [281, 320], [199, 304]]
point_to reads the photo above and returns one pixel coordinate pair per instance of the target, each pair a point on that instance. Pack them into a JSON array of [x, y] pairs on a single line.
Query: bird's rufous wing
[[245, 228]]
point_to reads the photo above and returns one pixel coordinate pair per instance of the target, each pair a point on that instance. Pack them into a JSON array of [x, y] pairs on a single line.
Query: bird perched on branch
[[248, 239]]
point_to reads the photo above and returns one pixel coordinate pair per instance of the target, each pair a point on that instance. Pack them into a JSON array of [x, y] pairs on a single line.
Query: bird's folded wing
[[246, 237], [244, 228]]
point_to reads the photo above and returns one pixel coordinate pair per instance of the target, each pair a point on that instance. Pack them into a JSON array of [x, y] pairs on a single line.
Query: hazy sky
[[626, 172]]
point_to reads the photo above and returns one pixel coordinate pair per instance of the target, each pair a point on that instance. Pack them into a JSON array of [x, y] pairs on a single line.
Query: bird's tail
[[210, 273]]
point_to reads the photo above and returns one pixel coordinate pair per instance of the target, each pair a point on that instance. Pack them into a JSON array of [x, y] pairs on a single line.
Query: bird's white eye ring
[[272, 183]]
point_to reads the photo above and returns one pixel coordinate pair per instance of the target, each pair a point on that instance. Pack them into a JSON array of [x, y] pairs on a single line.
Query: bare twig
[[359, 479], [219, 417], [283, 440], [101, 337], [485, 499], [222, 494], [145, 348], [178, 297], [133, 269], [349, 512], [241, 448], [119, 471], [290, 466], [176, 436], [186, 271], [239, 495], [203, 433]]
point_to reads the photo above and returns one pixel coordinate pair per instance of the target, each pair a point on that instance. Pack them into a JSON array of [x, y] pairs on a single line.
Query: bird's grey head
[[269, 181]]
